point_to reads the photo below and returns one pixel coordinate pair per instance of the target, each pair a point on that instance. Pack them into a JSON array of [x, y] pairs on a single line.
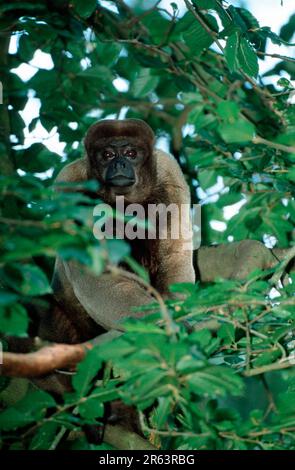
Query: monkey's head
[[120, 157]]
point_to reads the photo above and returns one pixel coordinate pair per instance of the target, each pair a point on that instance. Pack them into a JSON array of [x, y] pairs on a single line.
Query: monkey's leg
[[107, 299]]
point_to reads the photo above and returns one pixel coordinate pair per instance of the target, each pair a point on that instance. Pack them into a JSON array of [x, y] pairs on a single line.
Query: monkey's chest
[[145, 252]]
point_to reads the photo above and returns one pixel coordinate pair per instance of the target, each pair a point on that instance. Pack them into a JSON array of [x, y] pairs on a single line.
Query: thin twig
[[205, 26], [168, 433], [276, 56], [270, 368], [58, 438], [269, 143], [278, 274], [150, 289]]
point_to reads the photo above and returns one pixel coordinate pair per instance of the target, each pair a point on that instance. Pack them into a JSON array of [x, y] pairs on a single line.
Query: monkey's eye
[[108, 154], [131, 153]]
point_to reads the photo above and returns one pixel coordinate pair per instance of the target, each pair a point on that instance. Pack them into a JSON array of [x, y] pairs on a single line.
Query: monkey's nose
[[119, 165], [120, 173]]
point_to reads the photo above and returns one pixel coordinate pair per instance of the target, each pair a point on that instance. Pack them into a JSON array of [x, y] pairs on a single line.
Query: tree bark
[[47, 358]]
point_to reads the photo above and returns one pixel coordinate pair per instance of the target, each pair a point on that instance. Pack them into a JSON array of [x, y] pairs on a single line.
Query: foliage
[[228, 384]]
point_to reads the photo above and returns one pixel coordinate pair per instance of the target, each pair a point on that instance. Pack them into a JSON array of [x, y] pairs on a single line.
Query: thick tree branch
[[48, 358], [119, 437], [123, 439], [42, 362]]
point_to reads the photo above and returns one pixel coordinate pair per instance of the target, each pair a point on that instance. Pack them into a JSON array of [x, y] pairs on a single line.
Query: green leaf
[[35, 6], [14, 320], [44, 436], [25, 48], [201, 120], [247, 58], [37, 158], [291, 175], [227, 333], [287, 138], [266, 32], [27, 279], [231, 52], [13, 419], [157, 25], [202, 338], [252, 222], [147, 383], [266, 358], [7, 298], [246, 16], [34, 281], [117, 348], [91, 409], [31, 408], [284, 82], [288, 29], [239, 132], [144, 83], [108, 52], [197, 38], [237, 19], [207, 178], [228, 110], [285, 402], [229, 199], [97, 260], [161, 413], [98, 72], [87, 370], [84, 8], [117, 250], [214, 381], [205, 4]]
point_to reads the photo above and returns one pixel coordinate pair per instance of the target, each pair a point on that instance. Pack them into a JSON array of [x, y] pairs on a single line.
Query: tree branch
[[270, 367], [284, 148], [123, 439], [278, 274], [276, 56], [49, 357]]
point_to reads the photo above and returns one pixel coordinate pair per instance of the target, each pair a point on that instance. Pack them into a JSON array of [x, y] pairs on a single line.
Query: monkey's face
[[118, 162], [120, 156]]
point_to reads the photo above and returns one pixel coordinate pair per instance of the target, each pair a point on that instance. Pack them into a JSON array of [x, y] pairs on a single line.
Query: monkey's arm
[[73, 172], [175, 256]]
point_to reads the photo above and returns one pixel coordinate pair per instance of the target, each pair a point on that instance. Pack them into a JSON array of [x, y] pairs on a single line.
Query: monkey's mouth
[[121, 181]]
